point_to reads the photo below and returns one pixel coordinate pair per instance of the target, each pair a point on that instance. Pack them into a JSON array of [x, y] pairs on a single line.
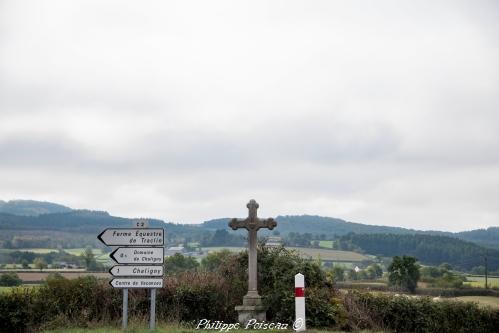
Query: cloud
[[382, 113]]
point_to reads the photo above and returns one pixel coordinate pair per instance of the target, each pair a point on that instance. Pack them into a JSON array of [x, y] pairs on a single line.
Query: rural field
[[481, 300], [73, 251], [24, 286], [326, 243], [479, 281], [100, 256], [310, 253], [34, 250], [5, 289]]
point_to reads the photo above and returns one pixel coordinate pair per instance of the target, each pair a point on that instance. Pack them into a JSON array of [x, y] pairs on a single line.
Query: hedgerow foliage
[[212, 291], [400, 313]]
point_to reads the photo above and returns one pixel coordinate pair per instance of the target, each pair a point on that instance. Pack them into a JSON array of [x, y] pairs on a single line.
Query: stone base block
[[252, 299], [248, 312]]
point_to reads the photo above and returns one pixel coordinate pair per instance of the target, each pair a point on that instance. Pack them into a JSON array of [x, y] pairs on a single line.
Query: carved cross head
[[252, 222], [252, 208]]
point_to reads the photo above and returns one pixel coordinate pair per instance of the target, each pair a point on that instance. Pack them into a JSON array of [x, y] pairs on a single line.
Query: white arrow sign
[[132, 237], [138, 255], [136, 283], [134, 270]]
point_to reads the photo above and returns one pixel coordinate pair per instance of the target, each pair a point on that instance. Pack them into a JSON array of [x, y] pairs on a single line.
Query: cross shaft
[[252, 223]]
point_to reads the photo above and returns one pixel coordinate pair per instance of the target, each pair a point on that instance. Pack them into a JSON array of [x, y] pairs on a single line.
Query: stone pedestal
[[252, 308]]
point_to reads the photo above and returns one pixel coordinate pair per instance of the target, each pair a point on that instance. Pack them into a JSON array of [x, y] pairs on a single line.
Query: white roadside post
[[300, 321]]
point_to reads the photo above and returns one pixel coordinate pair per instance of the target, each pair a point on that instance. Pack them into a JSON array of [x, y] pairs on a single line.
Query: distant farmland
[[37, 276], [311, 253], [479, 281]]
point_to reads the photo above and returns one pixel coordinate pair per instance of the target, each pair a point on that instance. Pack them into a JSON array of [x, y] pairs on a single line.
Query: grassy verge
[[166, 329]]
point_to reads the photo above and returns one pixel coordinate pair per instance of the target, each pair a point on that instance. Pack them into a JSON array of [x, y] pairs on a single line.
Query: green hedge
[[417, 314], [193, 295], [186, 297], [10, 279]]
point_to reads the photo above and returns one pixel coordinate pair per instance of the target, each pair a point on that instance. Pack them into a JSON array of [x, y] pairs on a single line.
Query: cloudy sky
[[380, 112]]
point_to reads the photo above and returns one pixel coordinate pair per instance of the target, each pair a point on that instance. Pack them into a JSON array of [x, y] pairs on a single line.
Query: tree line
[[429, 249]]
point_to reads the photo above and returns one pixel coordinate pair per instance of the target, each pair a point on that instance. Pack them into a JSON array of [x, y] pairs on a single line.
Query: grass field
[[482, 300], [8, 289], [5, 289], [330, 255], [99, 255], [80, 250], [326, 243], [36, 250], [479, 281], [75, 251], [309, 253]]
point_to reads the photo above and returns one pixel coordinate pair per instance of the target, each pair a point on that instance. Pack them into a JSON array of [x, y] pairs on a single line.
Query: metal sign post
[[125, 309], [152, 321], [140, 258]]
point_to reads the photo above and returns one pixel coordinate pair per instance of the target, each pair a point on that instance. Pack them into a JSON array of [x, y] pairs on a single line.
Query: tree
[[352, 274], [25, 263], [338, 273], [445, 266], [179, 263], [213, 260], [89, 258], [478, 270], [40, 263], [10, 279], [374, 271], [404, 273]]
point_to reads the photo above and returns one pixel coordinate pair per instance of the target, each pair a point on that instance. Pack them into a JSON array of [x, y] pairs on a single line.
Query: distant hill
[[31, 207], [486, 237], [429, 249], [80, 227], [30, 215], [329, 226], [321, 225]]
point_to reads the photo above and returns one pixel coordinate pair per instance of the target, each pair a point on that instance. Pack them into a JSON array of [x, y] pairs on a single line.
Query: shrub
[[421, 314], [179, 263], [278, 267], [186, 297], [10, 279], [15, 310]]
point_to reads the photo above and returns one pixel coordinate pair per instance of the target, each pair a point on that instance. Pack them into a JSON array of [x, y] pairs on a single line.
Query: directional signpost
[[132, 237], [137, 283], [140, 255], [136, 270]]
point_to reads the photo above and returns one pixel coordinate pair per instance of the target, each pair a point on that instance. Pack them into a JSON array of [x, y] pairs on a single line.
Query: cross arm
[[237, 224], [269, 223]]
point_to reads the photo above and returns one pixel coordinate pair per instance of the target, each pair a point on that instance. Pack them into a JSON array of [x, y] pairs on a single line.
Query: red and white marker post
[[299, 324]]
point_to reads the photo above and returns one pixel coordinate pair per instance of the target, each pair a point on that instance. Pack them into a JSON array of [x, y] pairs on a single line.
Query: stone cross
[[252, 223]]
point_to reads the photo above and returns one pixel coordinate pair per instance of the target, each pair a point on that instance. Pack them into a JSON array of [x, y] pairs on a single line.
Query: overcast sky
[[379, 112]]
